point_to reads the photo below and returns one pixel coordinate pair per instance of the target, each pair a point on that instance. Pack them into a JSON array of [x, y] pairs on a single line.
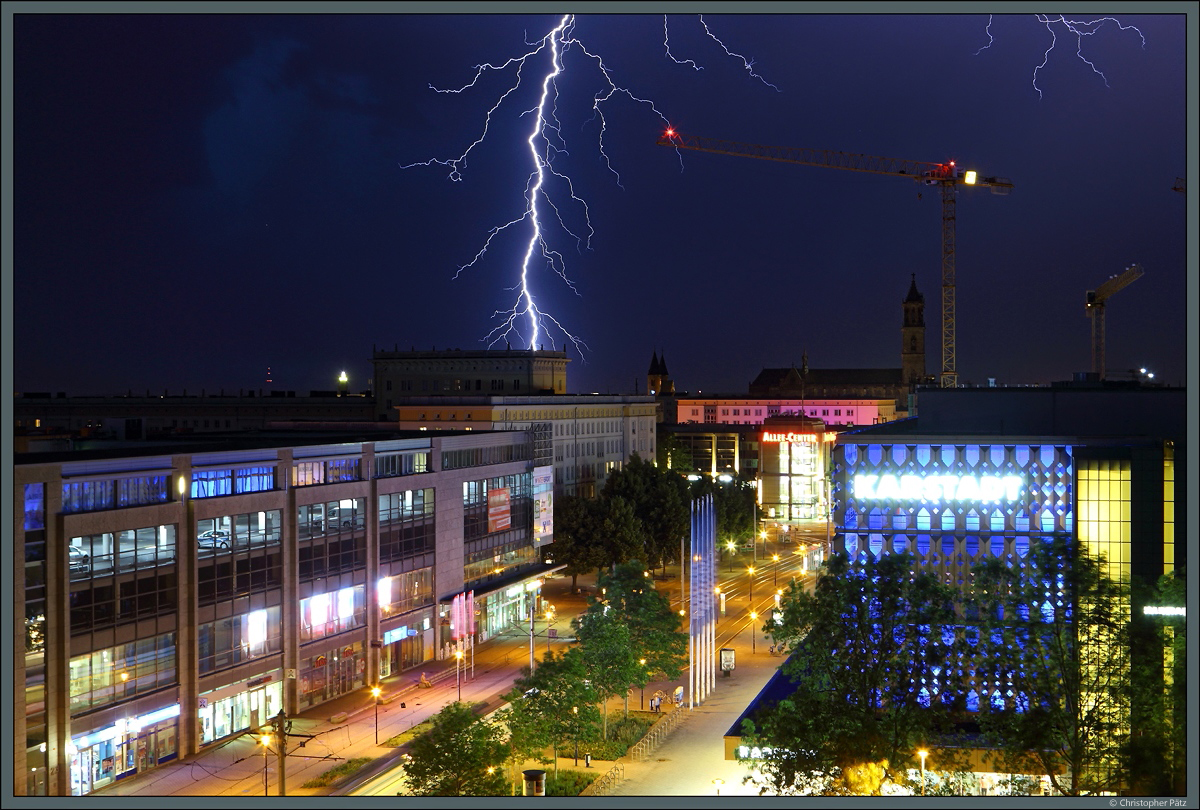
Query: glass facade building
[[172, 601], [990, 473]]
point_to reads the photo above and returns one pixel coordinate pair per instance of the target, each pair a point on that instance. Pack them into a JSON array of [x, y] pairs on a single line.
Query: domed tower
[[912, 337]]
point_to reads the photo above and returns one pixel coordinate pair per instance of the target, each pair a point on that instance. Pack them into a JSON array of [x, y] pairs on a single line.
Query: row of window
[[586, 428], [100, 606], [114, 493], [228, 642], [124, 671], [390, 465], [330, 471], [1046, 520], [212, 483], [485, 456], [947, 544]]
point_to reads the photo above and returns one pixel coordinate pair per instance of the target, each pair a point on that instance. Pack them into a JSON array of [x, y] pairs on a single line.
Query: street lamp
[[750, 571], [643, 663], [775, 557], [458, 655], [922, 754], [575, 711], [266, 744], [718, 782], [753, 620], [730, 545], [375, 693]]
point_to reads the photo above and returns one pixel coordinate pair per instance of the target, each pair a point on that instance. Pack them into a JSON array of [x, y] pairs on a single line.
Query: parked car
[[79, 560], [214, 539]]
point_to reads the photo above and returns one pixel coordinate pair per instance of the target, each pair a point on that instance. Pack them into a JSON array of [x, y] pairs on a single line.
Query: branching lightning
[[525, 320], [748, 63], [1080, 28]]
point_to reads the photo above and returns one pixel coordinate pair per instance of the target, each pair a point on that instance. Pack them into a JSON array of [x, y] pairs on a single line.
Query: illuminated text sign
[[809, 438], [938, 487]]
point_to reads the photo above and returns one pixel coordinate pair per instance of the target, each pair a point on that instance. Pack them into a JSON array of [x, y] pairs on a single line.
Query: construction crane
[[947, 176], [1095, 309]]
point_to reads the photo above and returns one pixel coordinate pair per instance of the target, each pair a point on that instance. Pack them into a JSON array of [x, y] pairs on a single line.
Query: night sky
[[199, 198]]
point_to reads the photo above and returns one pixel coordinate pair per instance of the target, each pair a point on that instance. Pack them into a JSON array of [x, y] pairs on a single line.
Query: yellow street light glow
[[750, 570], [265, 739], [376, 692], [458, 654], [753, 615]]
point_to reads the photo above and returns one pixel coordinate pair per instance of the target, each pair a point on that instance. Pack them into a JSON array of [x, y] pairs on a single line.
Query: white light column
[[702, 624]]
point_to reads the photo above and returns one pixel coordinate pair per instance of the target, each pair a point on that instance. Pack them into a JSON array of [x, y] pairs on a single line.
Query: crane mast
[[1094, 304], [944, 175]]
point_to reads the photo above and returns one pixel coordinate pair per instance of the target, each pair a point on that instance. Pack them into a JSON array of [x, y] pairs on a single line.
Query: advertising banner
[[499, 516], [543, 505]]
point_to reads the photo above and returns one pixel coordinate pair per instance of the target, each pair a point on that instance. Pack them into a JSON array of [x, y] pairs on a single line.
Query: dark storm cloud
[[201, 196]]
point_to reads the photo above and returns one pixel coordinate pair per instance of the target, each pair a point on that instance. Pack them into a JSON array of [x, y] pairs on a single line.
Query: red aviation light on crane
[[670, 133]]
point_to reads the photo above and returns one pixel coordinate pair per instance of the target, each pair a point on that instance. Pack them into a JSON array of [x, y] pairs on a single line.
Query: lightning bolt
[[748, 63], [1080, 28], [988, 31], [547, 191]]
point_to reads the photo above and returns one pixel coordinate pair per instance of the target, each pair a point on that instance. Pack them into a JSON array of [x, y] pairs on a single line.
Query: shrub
[[337, 772], [568, 783], [405, 737]]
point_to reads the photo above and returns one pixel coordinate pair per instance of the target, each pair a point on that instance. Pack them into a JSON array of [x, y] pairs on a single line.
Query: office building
[[175, 596]]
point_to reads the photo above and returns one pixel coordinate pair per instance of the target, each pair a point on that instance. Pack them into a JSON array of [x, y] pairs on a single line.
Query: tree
[[1053, 665], [655, 635], [462, 755], [607, 654], [659, 501], [540, 713], [672, 454], [655, 631], [867, 646], [618, 530], [578, 536]]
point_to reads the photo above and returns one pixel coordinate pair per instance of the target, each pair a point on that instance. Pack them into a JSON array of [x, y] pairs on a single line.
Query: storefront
[[127, 747], [245, 705], [403, 646], [507, 607], [334, 672]]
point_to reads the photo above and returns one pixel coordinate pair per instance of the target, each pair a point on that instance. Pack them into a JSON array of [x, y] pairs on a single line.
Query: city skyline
[[200, 198]]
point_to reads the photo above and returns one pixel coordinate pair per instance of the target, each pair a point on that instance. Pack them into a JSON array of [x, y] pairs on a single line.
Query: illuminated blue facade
[[952, 504]]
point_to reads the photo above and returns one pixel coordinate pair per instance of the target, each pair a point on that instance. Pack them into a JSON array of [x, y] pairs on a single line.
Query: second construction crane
[[1094, 303], [944, 175]]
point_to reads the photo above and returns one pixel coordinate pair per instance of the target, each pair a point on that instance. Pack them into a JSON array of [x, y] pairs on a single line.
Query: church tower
[[912, 337], [658, 379]]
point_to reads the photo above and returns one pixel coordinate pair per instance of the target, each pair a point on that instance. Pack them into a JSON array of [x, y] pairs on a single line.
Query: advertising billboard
[[499, 515]]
